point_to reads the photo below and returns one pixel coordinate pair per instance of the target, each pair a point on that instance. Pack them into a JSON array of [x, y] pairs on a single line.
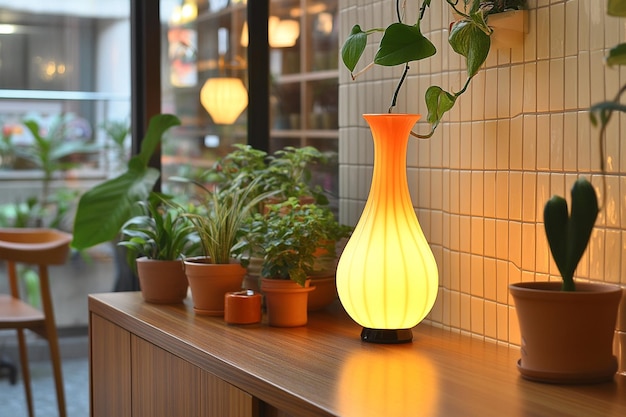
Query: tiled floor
[[75, 380]]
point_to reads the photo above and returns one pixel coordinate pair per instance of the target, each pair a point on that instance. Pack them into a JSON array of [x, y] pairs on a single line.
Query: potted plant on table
[[288, 238], [567, 328], [217, 220], [117, 196], [156, 242], [287, 173]]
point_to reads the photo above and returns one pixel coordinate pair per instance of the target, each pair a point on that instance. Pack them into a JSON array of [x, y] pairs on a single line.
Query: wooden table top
[[325, 369]]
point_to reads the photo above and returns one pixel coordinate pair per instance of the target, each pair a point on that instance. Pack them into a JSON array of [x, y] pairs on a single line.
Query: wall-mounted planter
[[509, 29]]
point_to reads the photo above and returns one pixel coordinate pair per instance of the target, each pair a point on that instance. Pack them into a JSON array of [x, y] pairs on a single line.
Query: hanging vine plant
[[402, 43]]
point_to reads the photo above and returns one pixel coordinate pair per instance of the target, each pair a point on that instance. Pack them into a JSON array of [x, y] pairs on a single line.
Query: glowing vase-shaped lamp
[[224, 98], [387, 277]]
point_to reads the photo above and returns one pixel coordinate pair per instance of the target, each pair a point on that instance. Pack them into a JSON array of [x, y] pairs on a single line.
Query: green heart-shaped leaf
[[469, 40], [353, 47], [438, 102], [402, 43], [567, 236]]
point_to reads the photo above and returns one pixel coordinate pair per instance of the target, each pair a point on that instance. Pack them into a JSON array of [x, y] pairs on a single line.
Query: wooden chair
[[41, 247]]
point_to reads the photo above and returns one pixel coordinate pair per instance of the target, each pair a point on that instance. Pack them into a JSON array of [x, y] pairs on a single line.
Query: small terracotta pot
[[286, 302], [567, 337], [162, 282], [210, 282], [242, 307]]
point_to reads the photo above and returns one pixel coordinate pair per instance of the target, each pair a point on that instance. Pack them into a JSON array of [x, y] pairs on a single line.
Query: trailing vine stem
[[399, 14], [394, 99], [605, 117]]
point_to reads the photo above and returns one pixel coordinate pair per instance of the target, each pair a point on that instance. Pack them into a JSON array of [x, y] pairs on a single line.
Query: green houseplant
[[117, 196], [217, 220], [288, 237], [568, 327], [156, 241], [402, 43], [287, 172]]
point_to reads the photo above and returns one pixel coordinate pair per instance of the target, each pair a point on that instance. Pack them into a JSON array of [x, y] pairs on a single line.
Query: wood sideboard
[[162, 360]]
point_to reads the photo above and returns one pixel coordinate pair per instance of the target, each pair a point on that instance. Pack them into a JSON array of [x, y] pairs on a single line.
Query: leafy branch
[[403, 43]]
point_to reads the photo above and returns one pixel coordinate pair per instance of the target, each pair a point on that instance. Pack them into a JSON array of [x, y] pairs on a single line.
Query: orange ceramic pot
[[162, 282], [210, 282], [286, 302], [567, 336]]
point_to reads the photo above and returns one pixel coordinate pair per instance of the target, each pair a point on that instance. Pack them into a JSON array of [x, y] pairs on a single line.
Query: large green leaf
[[353, 47], [469, 40], [616, 8], [402, 43], [103, 210]]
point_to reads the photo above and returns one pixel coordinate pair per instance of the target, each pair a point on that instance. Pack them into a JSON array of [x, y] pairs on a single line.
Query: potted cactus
[[567, 327]]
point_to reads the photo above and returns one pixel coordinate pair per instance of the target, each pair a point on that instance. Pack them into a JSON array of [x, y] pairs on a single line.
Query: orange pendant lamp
[[387, 277], [224, 98]]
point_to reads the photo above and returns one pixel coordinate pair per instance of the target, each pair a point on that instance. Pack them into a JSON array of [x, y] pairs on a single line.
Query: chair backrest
[[38, 246], [35, 246]]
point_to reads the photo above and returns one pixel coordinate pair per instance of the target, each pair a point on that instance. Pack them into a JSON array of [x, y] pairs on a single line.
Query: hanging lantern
[[283, 33], [224, 98]]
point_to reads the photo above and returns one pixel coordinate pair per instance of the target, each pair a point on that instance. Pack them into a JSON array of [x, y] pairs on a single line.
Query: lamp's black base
[[386, 335]]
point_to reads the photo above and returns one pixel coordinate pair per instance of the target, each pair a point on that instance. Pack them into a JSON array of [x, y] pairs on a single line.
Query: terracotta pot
[[242, 307], [567, 337], [210, 282], [325, 292], [162, 282], [286, 302]]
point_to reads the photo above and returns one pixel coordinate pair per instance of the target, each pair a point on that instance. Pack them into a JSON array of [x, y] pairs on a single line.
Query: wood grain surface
[[324, 368]]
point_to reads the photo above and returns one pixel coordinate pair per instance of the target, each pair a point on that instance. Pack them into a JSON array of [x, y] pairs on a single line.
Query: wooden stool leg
[[25, 371], [53, 339]]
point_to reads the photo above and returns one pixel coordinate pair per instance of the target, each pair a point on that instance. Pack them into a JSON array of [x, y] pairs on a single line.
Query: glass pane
[[64, 85], [205, 56], [285, 37], [323, 96], [321, 23], [65, 73], [285, 101]]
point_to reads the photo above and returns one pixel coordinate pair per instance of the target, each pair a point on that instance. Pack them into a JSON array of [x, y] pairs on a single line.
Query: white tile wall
[[520, 134]]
